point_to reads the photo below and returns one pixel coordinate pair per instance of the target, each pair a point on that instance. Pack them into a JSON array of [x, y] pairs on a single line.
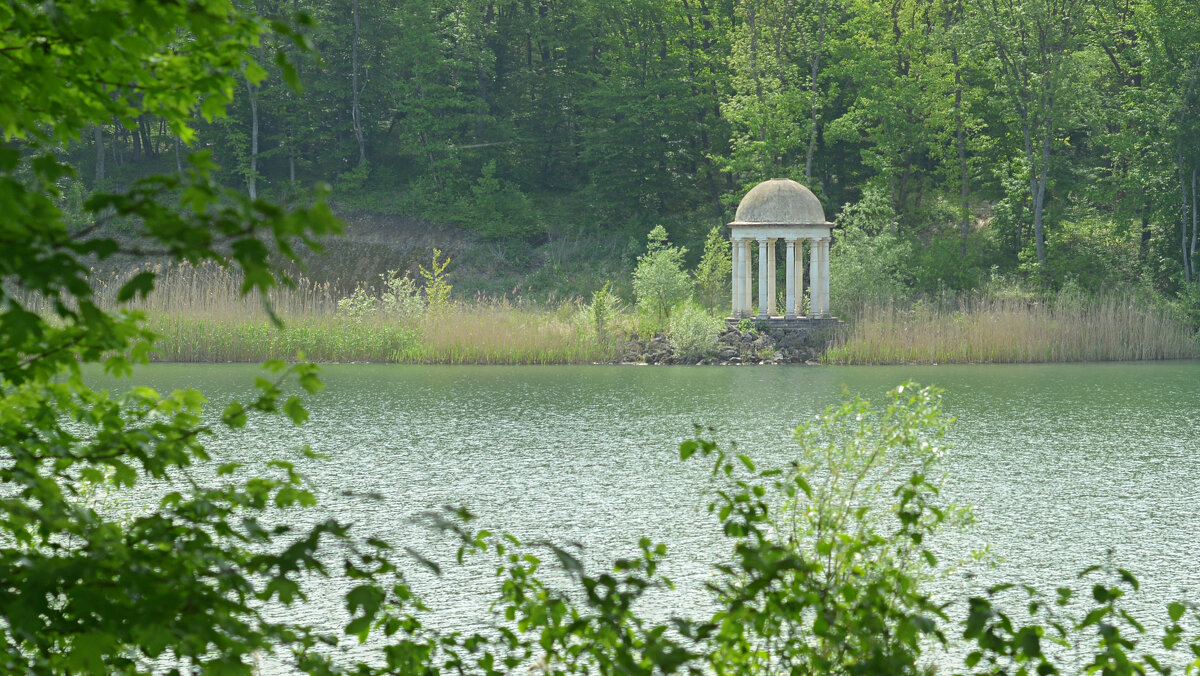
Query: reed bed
[[988, 329], [200, 315], [499, 333]]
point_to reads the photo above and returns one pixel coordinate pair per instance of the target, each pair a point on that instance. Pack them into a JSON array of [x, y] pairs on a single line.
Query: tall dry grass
[[501, 333], [200, 315], [984, 328]]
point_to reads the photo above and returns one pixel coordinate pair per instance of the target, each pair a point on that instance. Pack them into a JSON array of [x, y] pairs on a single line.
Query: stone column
[[747, 279], [789, 279], [762, 279], [735, 283], [799, 276], [824, 276], [814, 277], [772, 293]]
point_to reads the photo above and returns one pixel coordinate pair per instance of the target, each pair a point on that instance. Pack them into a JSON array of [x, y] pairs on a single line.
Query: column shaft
[[799, 277], [747, 280], [814, 276], [772, 294], [735, 286], [825, 276], [789, 280], [763, 288]]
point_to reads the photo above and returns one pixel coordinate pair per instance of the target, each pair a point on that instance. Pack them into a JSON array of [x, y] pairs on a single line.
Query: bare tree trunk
[[814, 104], [964, 187], [1195, 223], [481, 79], [1039, 198], [1144, 243], [178, 160], [116, 142], [1188, 263], [752, 22], [252, 176], [1183, 225], [355, 111], [1037, 184], [98, 135], [143, 130]]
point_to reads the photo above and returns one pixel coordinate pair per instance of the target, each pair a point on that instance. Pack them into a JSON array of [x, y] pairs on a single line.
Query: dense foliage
[[1058, 138]]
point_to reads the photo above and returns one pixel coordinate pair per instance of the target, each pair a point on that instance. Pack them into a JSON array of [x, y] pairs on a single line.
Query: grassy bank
[[1009, 329], [200, 316], [465, 334]]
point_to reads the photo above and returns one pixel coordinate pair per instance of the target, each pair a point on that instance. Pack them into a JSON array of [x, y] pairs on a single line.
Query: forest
[[1052, 141]]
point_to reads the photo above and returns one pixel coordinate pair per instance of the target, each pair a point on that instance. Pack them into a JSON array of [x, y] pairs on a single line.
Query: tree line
[[1060, 137]]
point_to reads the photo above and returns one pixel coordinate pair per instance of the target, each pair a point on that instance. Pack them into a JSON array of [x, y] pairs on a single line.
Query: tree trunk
[[1195, 223], [1144, 244], [960, 139], [143, 130], [116, 144], [1183, 222], [355, 111], [1037, 184], [752, 22], [1039, 198], [252, 176], [814, 104], [98, 135]]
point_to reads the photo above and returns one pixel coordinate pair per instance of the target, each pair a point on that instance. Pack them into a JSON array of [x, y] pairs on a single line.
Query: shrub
[[659, 281], [603, 307], [399, 301], [826, 570], [437, 288], [693, 331], [870, 263], [358, 305], [715, 271], [497, 208]]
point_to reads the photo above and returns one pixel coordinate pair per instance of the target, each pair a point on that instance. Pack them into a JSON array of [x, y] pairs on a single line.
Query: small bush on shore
[[693, 331]]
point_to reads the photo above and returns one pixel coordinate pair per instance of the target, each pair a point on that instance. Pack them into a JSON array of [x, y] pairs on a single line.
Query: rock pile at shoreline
[[733, 348]]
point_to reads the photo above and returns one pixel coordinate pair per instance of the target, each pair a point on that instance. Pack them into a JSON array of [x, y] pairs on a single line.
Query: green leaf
[[234, 415], [295, 410], [1128, 578], [88, 650], [687, 449], [9, 158], [139, 286], [288, 71], [1175, 610]]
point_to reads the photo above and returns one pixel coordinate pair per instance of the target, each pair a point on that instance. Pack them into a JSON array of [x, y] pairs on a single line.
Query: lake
[[1064, 464]]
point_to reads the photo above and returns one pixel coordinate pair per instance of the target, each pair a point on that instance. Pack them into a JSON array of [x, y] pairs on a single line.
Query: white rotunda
[[774, 210]]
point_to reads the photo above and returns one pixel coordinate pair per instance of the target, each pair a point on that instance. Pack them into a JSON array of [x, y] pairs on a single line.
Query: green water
[[1063, 463]]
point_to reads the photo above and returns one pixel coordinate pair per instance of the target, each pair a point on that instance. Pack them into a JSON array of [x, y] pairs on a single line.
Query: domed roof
[[779, 201]]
